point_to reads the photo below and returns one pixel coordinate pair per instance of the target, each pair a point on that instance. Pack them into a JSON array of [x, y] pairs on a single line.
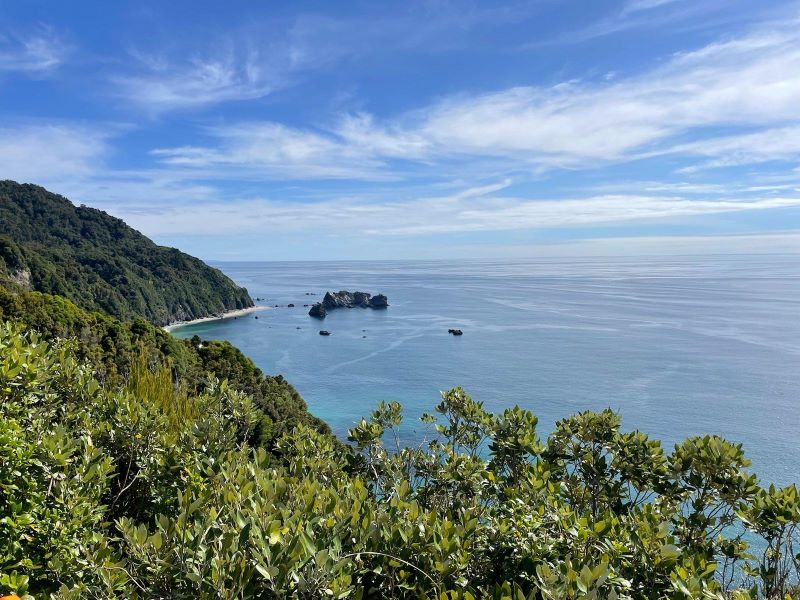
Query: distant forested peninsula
[[48, 244]]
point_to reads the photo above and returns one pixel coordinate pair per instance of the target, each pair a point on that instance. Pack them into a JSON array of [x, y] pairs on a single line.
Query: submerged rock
[[345, 299]]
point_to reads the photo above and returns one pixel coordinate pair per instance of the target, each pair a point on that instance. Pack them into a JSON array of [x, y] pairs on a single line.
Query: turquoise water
[[680, 346]]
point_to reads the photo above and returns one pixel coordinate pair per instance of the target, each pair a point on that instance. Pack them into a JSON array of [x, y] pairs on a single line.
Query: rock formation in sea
[[455, 332], [345, 299], [318, 311]]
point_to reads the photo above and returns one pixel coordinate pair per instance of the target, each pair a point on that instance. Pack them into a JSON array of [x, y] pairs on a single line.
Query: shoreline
[[239, 312]]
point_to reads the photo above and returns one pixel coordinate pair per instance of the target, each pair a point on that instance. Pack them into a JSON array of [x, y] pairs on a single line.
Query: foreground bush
[[149, 491], [115, 348]]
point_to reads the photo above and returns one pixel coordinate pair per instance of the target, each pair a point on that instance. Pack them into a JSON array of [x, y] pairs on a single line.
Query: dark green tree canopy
[[49, 245]]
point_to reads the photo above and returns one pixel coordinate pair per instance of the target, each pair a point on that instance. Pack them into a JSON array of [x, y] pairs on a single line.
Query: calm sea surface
[[679, 346]]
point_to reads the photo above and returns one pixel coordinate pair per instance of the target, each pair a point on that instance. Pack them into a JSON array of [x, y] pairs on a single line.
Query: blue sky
[[346, 130]]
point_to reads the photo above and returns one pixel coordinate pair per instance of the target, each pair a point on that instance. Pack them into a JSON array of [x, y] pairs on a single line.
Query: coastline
[[239, 312]]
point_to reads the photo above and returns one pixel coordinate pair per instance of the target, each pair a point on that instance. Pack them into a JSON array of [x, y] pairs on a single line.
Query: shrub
[[150, 490]]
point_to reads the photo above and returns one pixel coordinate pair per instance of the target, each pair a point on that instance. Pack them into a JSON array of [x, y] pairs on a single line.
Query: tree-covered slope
[[49, 245], [113, 347]]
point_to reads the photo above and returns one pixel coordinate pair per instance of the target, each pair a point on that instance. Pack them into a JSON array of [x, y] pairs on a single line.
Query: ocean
[[679, 346]]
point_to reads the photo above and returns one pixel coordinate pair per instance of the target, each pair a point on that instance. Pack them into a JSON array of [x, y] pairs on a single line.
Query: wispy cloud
[[675, 16], [355, 148], [163, 85], [243, 64], [635, 6], [272, 150], [47, 153], [264, 56], [719, 190], [34, 54], [745, 83], [776, 144], [469, 210]]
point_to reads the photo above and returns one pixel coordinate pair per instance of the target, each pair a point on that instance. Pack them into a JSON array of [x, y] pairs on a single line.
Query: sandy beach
[[228, 315]]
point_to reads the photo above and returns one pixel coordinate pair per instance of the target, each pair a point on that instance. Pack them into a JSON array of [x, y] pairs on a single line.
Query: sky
[[267, 130]]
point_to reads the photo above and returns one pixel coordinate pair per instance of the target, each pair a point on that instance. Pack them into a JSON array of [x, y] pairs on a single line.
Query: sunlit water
[[679, 346]]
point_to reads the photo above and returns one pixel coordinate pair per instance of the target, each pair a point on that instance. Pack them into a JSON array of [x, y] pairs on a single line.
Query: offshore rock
[[345, 299], [318, 311]]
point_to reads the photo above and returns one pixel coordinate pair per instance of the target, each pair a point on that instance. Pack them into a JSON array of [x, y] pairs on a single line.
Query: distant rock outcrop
[[318, 311], [345, 299], [455, 332]]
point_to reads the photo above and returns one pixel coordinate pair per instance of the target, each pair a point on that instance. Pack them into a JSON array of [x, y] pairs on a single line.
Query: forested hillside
[[49, 245], [112, 348]]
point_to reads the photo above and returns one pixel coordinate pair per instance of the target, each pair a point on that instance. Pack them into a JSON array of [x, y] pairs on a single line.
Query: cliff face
[[48, 244]]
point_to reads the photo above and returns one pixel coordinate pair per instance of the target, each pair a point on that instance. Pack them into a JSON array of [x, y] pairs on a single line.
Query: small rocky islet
[[345, 299]]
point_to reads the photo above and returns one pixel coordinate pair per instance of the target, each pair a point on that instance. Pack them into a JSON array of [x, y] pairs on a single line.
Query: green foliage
[[153, 489], [97, 261], [116, 349], [774, 515]]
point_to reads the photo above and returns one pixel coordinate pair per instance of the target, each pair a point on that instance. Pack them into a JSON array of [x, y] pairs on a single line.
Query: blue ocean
[[679, 346]]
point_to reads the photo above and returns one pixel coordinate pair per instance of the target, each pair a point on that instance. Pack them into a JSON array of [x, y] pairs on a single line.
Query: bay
[[679, 346]]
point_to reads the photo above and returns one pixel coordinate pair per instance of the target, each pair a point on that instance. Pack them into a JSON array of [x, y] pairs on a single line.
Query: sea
[[679, 346]]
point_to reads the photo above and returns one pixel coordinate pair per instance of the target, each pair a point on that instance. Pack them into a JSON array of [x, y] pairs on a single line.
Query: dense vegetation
[[143, 489], [49, 245], [113, 347]]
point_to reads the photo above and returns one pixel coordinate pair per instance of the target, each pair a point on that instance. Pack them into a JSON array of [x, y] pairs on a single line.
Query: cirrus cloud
[[34, 54], [746, 83]]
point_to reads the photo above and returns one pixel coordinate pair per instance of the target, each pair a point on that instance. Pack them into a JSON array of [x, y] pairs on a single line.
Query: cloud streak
[[745, 83], [776, 144], [163, 86], [43, 153], [35, 55], [470, 210], [263, 57]]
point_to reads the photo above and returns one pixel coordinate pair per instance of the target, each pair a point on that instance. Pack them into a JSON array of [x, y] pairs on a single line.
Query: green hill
[[47, 244]]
